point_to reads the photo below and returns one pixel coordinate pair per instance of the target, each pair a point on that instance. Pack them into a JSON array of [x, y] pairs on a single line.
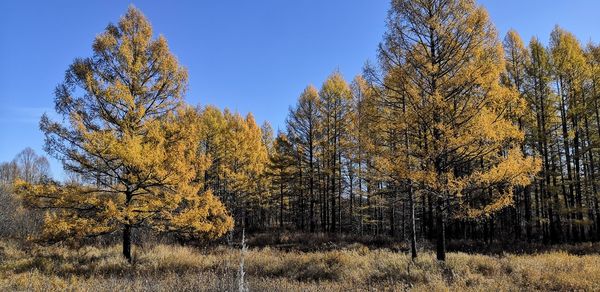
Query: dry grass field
[[355, 267]]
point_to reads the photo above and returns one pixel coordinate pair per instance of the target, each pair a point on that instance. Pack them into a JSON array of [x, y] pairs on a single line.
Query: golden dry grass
[[176, 268]]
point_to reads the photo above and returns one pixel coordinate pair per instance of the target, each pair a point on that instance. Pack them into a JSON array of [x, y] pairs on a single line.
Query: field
[[163, 267]]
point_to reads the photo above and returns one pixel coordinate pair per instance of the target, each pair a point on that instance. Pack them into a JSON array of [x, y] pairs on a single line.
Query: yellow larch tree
[[441, 64], [127, 132], [234, 145], [571, 73], [335, 98]]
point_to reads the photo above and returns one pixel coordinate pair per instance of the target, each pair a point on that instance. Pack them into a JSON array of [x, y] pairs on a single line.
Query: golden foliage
[[238, 157], [451, 113], [133, 141]]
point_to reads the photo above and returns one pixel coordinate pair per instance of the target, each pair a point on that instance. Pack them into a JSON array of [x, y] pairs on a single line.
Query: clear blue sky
[[250, 56]]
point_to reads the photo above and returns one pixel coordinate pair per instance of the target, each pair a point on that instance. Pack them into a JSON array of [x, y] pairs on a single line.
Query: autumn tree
[[363, 132], [334, 112], [268, 138], [303, 126], [592, 125], [570, 73], [444, 58], [249, 165], [281, 169], [516, 56], [238, 153], [126, 130]]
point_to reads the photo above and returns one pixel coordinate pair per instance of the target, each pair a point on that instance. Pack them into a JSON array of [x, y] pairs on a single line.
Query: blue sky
[[249, 56]]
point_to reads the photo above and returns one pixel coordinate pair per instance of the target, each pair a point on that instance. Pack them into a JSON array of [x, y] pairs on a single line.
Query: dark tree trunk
[[127, 243], [567, 152], [430, 228], [441, 232], [127, 231], [301, 196], [340, 192], [311, 178], [413, 233], [558, 222], [517, 213], [281, 204], [392, 212], [333, 195], [528, 230], [577, 177]]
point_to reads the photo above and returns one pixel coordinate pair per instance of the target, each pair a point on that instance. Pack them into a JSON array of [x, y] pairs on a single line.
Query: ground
[[162, 267]]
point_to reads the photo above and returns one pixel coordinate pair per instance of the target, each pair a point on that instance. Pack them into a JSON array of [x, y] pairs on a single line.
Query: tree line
[[452, 134]]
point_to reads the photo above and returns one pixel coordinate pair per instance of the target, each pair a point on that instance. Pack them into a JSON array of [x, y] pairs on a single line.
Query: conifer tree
[[334, 104], [444, 58], [281, 170], [238, 153], [570, 73], [516, 56], [593, 59], [127, 132], [303, 131]]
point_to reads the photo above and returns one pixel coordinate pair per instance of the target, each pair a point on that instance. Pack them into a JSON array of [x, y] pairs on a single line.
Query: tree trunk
[[558, 222], [301, 195], [577, 177], [567, 152], [350, 179], [441, 232], [281, 204], [340, 192], [333, 195], [127, 231], [528, 231], [413, 233], [127, 243], [311, 181]]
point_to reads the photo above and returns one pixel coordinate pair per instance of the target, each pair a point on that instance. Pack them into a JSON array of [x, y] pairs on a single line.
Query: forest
[[459, 160]]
